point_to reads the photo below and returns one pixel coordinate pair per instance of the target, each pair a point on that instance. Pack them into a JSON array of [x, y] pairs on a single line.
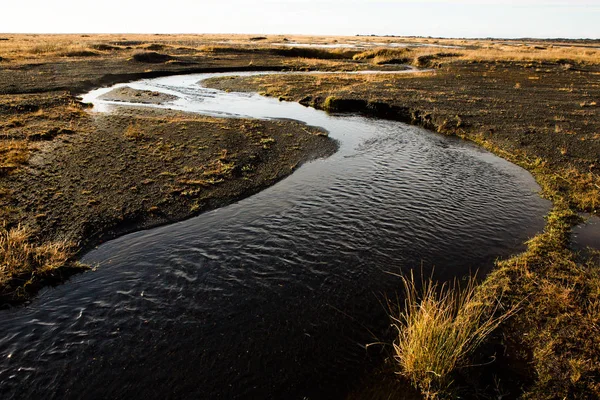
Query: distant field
[[31, 47]]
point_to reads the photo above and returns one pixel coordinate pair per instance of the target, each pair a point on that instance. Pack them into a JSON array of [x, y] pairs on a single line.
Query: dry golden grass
[[533, 53], [40, 46], [585, 187], [19, 258], [20, 47], [134, 132], [439, 327], [13, 153], [27, 47], [381, 54], [218, 169], [486, 53]]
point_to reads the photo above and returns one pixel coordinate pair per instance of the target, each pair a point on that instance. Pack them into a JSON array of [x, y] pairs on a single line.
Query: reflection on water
[[587, 234], [274, 296]]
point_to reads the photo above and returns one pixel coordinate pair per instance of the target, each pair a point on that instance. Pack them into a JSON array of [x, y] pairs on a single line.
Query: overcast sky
[[462, 18]]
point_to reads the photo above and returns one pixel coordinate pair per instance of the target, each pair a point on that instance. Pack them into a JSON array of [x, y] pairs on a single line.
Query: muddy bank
[[130, 95], [140, 168]]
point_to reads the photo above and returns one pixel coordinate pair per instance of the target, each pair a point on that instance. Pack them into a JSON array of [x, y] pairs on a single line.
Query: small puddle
[[587, 234]]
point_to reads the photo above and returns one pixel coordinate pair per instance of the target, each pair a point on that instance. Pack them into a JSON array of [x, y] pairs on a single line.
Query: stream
[[274, 296]]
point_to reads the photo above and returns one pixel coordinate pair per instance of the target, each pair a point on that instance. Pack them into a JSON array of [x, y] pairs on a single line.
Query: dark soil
[[152, 57], [105, 181], [105, 47]]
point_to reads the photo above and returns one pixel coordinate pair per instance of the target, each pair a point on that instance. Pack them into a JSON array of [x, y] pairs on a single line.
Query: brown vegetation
[[24, 264], [439, 327]]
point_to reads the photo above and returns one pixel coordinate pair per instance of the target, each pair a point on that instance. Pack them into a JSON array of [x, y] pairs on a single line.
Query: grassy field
[[533, 102]]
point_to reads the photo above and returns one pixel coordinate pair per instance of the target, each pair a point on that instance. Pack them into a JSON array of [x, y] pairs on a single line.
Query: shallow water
[[274, 296], [364, 45], [353, 45], [587, 234]]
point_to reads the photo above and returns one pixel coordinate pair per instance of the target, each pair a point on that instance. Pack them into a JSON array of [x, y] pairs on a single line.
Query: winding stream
[[274, 296]]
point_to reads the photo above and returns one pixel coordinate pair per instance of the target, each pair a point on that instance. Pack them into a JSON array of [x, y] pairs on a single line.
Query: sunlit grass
[[13, 153], [22, 259], [439, 326]]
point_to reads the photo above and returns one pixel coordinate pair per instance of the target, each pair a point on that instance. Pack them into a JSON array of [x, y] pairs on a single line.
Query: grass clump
[[218, 169], [13, 153], [439, 327], [383, 53], [23, 261], [134, 132]]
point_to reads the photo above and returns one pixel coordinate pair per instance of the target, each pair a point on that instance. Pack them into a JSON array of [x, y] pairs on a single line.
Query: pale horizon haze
[[439, 18]]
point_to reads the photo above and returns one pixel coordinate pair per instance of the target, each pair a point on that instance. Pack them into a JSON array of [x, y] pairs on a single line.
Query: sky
[[438, 18]]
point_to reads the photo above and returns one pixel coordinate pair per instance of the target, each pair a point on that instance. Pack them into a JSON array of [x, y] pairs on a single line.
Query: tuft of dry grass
[[13, 153], [133, 132], [439, 327], [383, 52], [525, 53], [585, 187], [21, 259]]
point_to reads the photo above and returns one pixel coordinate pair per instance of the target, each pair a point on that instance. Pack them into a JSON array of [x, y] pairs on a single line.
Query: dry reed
[[21, 258], [438, 329]]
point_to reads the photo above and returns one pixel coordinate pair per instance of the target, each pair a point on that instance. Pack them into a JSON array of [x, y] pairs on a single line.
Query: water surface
[[587, 234]]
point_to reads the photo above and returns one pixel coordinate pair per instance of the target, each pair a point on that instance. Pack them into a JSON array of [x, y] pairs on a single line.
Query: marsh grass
[[382, 52], [134, 132], [562, 54], [20, 47], [559, 321], [13, 153], [484, 52], [21, 259], [439, 327]]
